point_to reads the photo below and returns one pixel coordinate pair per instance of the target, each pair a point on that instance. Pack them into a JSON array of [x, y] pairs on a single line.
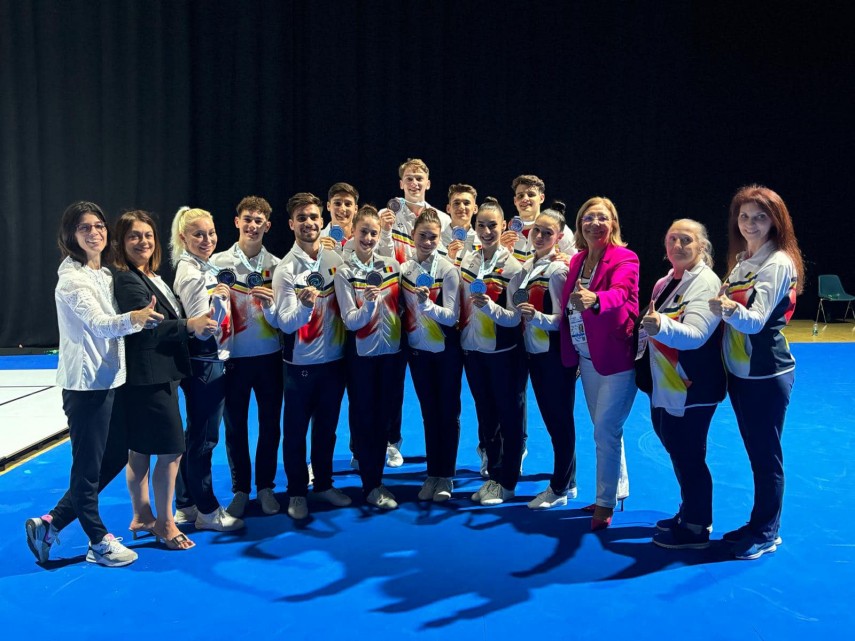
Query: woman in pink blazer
[[601, 302]]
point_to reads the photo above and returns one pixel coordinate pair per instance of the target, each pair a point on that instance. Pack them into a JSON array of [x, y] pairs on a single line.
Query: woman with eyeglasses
[[600, 299], [91, 367], [766, 275]]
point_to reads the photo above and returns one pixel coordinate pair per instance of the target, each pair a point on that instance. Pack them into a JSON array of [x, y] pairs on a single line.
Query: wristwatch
[[596, 306]]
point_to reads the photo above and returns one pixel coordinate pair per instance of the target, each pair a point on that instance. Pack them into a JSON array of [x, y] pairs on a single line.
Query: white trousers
[[609, 400]]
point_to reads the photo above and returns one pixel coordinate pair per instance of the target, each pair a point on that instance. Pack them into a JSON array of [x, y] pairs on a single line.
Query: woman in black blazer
[[157, 359]]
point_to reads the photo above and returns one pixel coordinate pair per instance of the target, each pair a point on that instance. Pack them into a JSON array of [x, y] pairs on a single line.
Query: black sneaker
[[668, 524], [681, 538]]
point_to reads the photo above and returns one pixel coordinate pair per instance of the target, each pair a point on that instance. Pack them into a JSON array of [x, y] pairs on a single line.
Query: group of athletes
[[441, 291]]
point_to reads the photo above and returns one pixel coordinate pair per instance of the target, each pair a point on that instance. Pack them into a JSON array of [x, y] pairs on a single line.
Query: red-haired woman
[[756, 302]]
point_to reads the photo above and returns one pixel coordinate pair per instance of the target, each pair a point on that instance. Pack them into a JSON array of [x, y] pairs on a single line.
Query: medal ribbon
[[487, 268], [245, 260], [204, 265]]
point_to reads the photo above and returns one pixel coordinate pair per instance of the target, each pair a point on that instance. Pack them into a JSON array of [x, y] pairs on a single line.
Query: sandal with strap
[[177, 542]]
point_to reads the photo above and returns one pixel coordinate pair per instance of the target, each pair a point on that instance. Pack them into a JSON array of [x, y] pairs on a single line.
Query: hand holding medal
[[389, 214], [478, 292], [327, 242], [424, 282], [337, 233], [263, 294], [307, 296], [508, 240], [221, 291]]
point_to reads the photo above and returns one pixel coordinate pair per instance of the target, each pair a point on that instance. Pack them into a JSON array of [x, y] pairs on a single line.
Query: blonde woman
[[202, 288]]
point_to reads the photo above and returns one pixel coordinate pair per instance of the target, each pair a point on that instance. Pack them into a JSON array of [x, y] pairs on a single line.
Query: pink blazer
[[609, 332]]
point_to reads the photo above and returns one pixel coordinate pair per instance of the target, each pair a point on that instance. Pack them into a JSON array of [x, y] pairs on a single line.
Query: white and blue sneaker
[[749, 549], [110, 552]]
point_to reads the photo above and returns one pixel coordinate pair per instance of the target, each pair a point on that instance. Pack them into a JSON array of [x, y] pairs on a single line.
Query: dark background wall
[[664, 107]]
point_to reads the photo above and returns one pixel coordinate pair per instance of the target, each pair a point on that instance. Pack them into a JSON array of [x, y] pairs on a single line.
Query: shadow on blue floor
[[461, 571]]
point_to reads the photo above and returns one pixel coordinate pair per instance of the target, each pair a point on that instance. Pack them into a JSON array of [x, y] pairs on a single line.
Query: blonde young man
[[529, 194], [396, 229], [396, 241]]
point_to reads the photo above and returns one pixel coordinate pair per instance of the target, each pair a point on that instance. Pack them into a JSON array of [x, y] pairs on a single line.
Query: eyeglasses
[[600, 218], [85, 228]]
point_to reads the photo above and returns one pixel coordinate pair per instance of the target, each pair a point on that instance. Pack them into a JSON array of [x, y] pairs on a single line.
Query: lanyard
[[204, 265], [433, 266], [487, 268], [314, 266], [422, 203], [534, 272], [362, 266], [243, 258]]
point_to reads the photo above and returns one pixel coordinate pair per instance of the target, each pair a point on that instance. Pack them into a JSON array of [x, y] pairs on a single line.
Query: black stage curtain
[[664, 107]]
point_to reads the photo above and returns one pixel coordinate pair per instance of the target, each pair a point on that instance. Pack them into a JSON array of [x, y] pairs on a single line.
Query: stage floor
[[460, 571]]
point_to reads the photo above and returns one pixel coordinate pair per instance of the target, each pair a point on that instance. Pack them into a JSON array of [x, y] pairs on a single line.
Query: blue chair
[[831, 290]]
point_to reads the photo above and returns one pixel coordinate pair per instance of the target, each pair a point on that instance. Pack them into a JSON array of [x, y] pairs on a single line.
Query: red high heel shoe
[[602, 518], [593, 506]]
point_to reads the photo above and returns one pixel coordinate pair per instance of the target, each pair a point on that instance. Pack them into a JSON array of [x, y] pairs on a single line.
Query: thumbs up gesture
[[651, 321], [581, 298], [722, 305], [203, 325], [146, 316]]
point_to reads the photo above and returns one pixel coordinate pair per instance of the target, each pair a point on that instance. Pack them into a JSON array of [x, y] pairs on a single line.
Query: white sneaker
[[382, 498], [547, 499], [573, 492], [334, 496], [525, 453], [311, 475], [444, 487], [186, 515], [354, 463], [218, 520], [477, 496], [393, 454], [496, 494], [428, 488], [298, 507], [238, 505], [110, 552], [482, 455], [269, 504]]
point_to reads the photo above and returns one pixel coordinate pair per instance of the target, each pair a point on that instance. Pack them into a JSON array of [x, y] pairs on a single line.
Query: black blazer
[[156, 355]]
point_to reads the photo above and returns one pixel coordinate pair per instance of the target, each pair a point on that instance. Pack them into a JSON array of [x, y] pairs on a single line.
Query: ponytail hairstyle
[[428, 217], [490, 204], [183, 217], [555, 212]]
